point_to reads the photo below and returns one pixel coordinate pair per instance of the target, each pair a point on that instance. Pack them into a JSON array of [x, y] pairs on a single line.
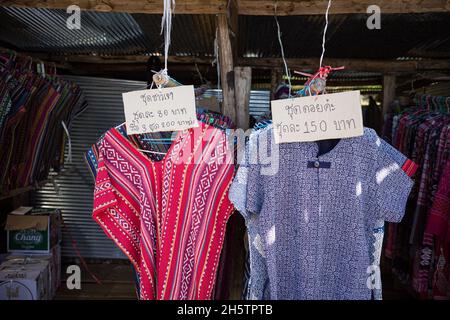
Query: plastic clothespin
[[316, 82], [42, 69], [161, 78]]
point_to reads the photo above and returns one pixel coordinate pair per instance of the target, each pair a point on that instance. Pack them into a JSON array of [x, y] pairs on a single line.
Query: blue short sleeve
[[246, 192], [392, 185]]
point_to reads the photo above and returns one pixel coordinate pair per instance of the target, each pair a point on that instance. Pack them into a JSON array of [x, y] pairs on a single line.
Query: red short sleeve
[[116, 212]]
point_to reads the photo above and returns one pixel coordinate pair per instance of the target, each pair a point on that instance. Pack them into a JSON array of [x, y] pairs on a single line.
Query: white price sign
[[313, 118], [166, 109]]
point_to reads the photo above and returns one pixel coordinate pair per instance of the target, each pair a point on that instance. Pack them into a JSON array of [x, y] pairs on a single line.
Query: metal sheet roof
[[401, 35], [45, 30]]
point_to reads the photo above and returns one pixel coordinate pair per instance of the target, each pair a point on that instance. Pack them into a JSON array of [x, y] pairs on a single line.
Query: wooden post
[[233, 27], [388, 91], [242, 87], [226, 67]]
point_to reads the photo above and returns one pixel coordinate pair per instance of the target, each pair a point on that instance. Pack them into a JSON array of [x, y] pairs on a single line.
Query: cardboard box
[[34, 231], [54, 266], [54, 262], [24, 279]]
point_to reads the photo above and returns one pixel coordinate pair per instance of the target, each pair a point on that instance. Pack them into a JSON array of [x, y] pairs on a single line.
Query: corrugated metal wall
[[76, 188], [72, 192]]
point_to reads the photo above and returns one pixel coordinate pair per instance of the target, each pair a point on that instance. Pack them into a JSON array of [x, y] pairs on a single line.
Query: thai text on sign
[[313, 118], [166, 109]]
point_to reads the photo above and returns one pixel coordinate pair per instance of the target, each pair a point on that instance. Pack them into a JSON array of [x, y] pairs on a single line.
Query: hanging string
[[69, 141], [166, 28], [325, 32], [288, 75]]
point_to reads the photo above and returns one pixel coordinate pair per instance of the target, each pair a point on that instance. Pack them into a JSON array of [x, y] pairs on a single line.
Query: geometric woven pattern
[[167, 216]]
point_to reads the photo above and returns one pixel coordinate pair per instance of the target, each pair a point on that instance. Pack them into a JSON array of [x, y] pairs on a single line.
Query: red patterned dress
[[439, 226], [167, 216]]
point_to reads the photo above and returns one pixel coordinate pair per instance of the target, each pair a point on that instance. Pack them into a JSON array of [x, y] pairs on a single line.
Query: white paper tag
[[313, 118], [166, 109]]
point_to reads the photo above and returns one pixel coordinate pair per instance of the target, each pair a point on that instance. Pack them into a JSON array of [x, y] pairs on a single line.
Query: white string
[[69, 142], [150, 151], [166, 27], [325, 32], [288, 75]]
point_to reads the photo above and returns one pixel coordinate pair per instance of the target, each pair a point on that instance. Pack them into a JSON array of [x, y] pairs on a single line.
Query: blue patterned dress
[[311, 219]]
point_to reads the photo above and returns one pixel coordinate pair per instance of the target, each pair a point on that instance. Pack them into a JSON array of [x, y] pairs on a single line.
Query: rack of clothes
[[419, 246], [36, 112]]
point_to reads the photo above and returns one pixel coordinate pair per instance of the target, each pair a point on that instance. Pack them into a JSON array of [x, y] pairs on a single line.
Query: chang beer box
[[24, 279], [35, 232]]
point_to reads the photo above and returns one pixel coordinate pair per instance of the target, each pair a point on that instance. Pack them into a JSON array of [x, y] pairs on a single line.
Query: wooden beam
[[135, 6], [242, 85], [126, 59], [382, 66], [350, 64], [245, 7], [226, 67], [318, 7], [388, 91], [264, 63]]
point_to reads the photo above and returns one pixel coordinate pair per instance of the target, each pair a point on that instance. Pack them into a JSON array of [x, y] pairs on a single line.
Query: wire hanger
[[288, 74], [316, 83], [151, 151]]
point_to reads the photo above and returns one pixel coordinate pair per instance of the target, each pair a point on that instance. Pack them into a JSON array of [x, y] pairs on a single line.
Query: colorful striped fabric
[[167, 216], [158, 142], [32, 107]]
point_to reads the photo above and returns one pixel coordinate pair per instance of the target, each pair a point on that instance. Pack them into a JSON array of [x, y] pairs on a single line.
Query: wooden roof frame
[[372, 65], [231, 9], [244, 7]]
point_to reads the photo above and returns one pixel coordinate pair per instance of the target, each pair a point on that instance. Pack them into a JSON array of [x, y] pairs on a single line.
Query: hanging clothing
[[255, 276], [439, 220], [32, 108], [418, 254], [438, 225], [310, 221], [158, 143], [168, 216]]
